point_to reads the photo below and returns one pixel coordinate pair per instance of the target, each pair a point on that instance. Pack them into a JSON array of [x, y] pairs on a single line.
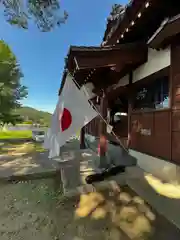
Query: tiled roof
[[117, 14], [118, 17], [98, 48]]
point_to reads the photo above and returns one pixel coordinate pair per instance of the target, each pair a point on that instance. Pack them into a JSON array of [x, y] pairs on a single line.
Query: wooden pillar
[[175, 99], [82, 138], [130, 103], [103, 111], [103, 131], [130, 106]]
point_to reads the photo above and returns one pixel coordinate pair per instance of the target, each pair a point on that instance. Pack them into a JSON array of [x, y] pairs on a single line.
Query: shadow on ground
[[116, 213], [120, 213], [24, 158], [36, 210]]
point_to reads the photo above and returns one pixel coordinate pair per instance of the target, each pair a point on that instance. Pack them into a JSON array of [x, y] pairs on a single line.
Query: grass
[[23, 124], [21, 148], [15, 134], [38, 147]]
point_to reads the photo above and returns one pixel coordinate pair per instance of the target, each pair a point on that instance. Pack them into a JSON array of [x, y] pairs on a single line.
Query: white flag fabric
[[72, 112]]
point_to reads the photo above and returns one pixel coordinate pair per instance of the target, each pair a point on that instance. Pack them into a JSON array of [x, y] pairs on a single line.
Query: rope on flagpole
[[92, 104]]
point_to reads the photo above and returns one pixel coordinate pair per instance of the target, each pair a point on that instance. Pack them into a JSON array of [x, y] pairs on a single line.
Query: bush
[[15, 134], [27, 122]]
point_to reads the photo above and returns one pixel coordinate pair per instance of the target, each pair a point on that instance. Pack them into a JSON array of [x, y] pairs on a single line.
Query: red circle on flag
[[65, 120]]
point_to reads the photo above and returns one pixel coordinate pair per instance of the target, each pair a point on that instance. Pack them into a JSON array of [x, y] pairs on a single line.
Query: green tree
[[41, 121], [45, 13], [11, 89], [6, 118]]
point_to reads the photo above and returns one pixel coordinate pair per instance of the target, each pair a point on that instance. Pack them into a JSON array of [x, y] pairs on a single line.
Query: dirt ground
[[24, 158], [34, 210]]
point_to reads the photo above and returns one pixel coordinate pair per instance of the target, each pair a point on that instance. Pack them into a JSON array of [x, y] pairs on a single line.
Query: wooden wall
[[92, 127], [175, 78], [164, 141], [164, 125], [121, 128], [154, 135]]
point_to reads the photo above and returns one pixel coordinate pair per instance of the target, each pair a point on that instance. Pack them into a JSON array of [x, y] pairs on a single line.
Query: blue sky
[[41, 55]]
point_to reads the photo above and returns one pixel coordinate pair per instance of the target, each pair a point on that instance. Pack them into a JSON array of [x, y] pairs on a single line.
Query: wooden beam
[[103, 131], [82, 138], [118, 58], [103, 111], [163, 36], [130, 104]]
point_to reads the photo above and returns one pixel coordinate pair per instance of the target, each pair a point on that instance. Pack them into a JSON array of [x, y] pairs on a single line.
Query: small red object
[[102, 146]]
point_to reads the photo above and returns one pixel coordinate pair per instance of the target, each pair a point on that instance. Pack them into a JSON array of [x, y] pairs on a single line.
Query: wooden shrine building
[[134, 80]]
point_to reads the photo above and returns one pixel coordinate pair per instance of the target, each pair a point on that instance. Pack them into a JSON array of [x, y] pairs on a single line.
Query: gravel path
[[35, 211]]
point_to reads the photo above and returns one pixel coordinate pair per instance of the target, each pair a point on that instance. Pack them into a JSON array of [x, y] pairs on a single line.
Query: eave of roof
[[168, 29], [90, 59], [96, 48], [132, 10], [105, 56], [138, 23]]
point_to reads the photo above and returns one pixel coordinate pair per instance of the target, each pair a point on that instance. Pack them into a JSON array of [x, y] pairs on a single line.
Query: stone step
[[111, 183], [165, 205]]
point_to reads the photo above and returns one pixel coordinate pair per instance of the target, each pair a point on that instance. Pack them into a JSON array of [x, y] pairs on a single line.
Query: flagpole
[[97, 110]]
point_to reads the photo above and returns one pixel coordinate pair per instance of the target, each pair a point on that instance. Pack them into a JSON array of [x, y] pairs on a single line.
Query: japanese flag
[[72, 112]]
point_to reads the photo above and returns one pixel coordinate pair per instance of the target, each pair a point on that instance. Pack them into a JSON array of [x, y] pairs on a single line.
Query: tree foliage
[[34, 115], [11, 89], [6, 118], [45, 13]]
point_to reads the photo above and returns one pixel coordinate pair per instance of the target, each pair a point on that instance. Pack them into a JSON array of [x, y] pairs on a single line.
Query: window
[[154, 95], [119, 109], [161, 98]]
